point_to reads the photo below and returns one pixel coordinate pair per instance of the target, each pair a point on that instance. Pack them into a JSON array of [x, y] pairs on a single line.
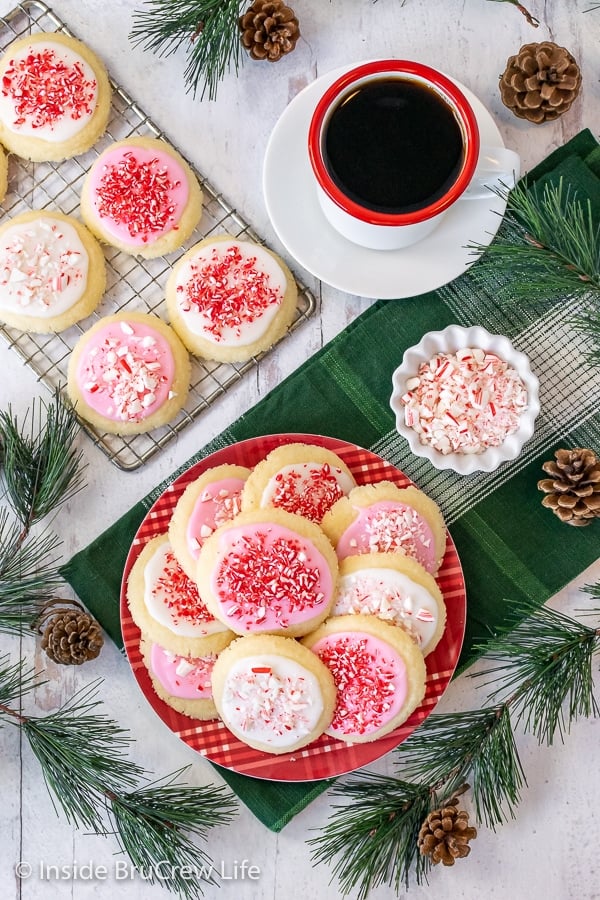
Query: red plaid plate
[[325, 757]]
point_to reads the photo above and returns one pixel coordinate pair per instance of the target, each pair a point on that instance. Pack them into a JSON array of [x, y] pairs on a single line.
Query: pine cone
[[70, 635], [541, 82], [445, 834], [269, 29], [573, 491]]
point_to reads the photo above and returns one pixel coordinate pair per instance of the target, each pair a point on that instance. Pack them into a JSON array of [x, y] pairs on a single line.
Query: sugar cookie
[[230, 299], [55, 97], [182, 682], [379, 674], [273, 693], [52, 272]]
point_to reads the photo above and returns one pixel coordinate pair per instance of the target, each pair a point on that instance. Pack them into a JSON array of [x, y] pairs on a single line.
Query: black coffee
[[393, 145]]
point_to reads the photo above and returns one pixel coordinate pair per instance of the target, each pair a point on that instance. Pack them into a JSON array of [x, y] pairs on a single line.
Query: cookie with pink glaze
[[208, 502], [383, 518], [182, 682], [268, 571], [52, 272], [397, 590], [229, 299], [379, 674], [128, 373], [301, 478], [166, 606], [141, 197], [273, 693], [55, 97]]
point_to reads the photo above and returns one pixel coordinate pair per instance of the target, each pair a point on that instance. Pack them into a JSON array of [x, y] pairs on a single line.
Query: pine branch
[[375, 833], [42, 470], [545, 670], [531, 19], [548, 246], [80, 751], [207, 29]]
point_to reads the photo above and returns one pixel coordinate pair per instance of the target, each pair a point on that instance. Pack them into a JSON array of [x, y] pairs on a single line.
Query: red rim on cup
[[446, 87]]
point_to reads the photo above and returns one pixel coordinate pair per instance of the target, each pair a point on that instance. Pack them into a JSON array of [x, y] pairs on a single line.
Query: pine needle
[[15, 682]]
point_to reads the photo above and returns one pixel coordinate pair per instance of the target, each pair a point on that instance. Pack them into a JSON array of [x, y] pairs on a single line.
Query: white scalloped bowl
[[451, 339]]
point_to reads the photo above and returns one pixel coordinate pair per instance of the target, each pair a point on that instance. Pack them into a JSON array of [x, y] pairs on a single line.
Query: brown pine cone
[[445, 834], [573, 490], [541, 82], [269, 29], [70, 635]]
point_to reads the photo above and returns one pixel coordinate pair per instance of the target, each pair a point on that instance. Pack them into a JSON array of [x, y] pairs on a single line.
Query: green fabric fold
[[509, 545]]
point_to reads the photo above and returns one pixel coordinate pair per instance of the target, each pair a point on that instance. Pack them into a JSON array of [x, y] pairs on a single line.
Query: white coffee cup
[[378, 139]]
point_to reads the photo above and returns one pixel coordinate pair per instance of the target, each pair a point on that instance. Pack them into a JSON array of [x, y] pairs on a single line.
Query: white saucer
[[292, 205]]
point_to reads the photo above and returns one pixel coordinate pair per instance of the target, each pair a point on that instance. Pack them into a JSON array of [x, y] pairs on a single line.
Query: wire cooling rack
[[132, 283]]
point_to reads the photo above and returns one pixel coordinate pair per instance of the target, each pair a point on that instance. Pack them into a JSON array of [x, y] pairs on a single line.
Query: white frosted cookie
[[379, 674], [129, 373], [268, 571], [141, 197], [208, 502], [182, 682], [273, 693], [3, 174], [52, 272], [300, 478], [230, 299], [166, 606], [383, 518], [55, 97], [397, 590]]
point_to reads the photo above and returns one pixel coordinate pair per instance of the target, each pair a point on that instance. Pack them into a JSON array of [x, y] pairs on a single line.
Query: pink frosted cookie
[[207, 503], [183, 682], [55, 97], [128, 373], [379, 674], [300, 478], [268, 571], [230, 299], [52, 272], [141, 197], [397, 590], [382, 518], [273, 693], [166, 606]]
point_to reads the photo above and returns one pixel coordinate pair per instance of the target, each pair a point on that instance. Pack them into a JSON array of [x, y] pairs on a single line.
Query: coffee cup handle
[[497, 168]]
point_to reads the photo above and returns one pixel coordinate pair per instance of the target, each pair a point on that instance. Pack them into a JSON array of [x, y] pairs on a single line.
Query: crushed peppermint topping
[[230, 290], [38, 263], [179, 593], [197, 669], [138, 195], [369, 595], [261, 572], [464, 402], [45, 89], [260, 698], [394, 528], [129, 371], [309, 492], [365, 679]]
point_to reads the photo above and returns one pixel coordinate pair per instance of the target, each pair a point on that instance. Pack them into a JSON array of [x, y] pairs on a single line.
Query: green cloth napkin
[[509, 545]]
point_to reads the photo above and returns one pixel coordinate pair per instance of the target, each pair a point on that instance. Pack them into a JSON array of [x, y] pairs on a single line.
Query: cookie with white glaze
[[301, 478], [52, 272], [379, 674], [208, 502], [141, 197], [128, 374], [55, 97], [182, 682], [383, 518], [230, 299], [272, 693], [167, 607], [397, 590], [268, 571]]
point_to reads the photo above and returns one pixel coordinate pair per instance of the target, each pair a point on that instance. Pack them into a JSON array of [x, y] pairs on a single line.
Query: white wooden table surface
[[550, 851]]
